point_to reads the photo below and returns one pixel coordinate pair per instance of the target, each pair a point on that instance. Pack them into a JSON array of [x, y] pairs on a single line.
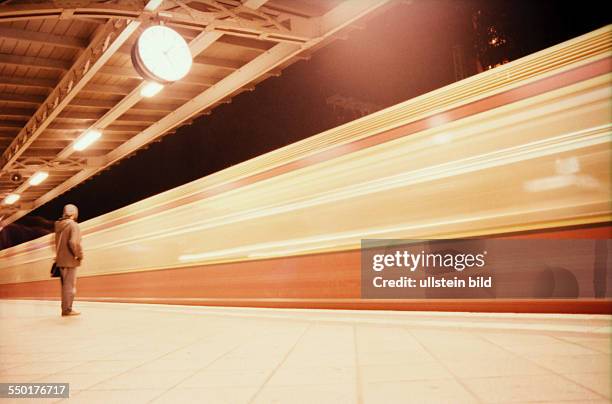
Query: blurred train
[[522, 150]]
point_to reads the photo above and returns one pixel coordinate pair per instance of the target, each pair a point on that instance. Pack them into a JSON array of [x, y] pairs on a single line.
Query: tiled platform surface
[[133, 353]]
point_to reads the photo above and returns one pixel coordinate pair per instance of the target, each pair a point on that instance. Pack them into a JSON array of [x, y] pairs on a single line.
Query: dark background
[[402, 53]]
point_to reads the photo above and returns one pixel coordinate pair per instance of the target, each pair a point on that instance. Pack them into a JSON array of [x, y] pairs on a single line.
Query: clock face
[[161, 54]]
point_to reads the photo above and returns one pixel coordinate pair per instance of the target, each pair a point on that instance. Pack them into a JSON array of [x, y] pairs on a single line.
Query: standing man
[[69, 255]]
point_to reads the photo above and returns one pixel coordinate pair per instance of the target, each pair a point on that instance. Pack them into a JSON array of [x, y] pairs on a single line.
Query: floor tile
[[143, 380], [308, 394], [573, 363], [528, 388], [212, 395], [489, 368], [43, 368], [386, 373], [600, 344], [77, 381], [106, 366], [555, 348], [422, 391], [225, 378], [319, 375], [598, 382], [394, 358], [131, 396]]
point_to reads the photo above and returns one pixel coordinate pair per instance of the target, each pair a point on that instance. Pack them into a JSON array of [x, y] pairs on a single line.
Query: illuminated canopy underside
[[65, 69]]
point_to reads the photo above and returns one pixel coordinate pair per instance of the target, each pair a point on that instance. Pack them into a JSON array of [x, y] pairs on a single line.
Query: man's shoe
[[71, 313]]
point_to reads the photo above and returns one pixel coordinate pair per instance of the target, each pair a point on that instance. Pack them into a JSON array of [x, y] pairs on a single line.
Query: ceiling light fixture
[[11, 199], [86, 140], [160, 54], [38, 178], [16, 178], [150, 88]]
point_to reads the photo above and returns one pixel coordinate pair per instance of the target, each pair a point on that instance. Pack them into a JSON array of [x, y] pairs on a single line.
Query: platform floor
[[132, 353]]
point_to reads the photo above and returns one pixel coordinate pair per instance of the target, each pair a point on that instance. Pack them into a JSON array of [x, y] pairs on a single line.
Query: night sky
[[402, 53]]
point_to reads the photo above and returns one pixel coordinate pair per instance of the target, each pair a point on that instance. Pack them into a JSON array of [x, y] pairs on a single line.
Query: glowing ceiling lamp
[[11, 199], [150, 88], [160, 54], [86, 140], [38, 178]]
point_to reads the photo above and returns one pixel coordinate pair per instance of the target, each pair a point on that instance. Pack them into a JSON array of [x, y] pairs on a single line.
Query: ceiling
[[65, 67]]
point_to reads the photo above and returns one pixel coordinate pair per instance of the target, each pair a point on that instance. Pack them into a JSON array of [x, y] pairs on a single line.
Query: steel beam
[[230, 18], [27, 82], [29, 61], [102, 47], [43, 37], [22, 98], [23, 112], [247, 43], [190, 78]]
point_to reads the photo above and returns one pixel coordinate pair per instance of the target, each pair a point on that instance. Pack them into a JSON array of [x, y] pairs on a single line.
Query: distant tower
[[492, 45]]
